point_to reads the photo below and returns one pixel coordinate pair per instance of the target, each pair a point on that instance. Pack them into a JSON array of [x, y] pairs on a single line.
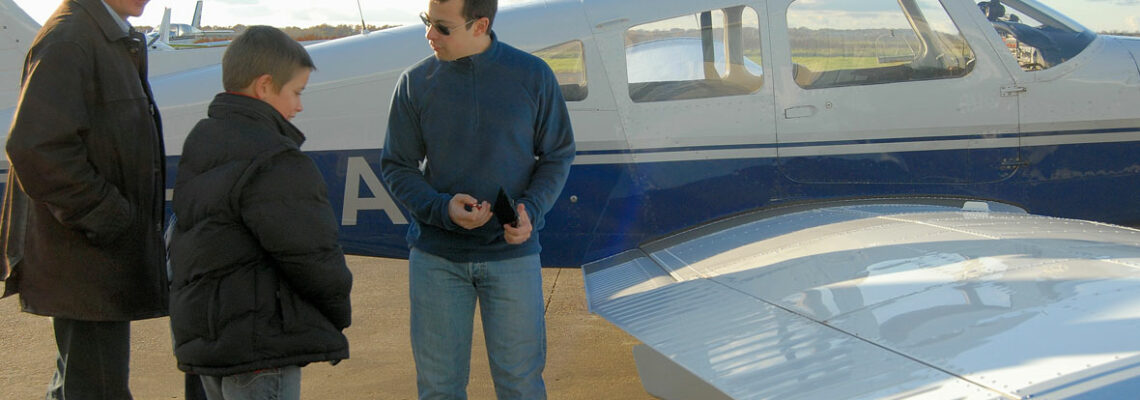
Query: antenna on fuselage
[[363, 27]]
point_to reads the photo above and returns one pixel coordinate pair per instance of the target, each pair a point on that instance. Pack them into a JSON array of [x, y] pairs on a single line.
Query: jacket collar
[[484, 57], [123, 24], [226, 105], [107, 23]]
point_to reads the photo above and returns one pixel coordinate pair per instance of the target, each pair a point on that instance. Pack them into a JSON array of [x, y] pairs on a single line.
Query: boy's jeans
[[267, 384], [443, 295]]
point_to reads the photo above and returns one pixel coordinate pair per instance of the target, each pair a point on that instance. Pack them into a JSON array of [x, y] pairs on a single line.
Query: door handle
[[1007, 91], [1013, 163], [799, 112]]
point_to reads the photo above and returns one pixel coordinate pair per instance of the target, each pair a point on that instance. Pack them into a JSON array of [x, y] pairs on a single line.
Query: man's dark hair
[[473, 9], [262, 50]]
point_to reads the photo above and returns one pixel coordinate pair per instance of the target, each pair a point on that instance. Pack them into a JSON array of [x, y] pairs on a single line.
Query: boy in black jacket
[[260, 285]]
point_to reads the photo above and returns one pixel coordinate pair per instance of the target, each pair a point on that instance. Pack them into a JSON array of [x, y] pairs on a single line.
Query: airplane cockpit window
[[1037, 37], [867, 42], [569, 65], [708, 54]]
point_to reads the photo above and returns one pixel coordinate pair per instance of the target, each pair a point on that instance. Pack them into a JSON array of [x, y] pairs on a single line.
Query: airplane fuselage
[[952, 116]]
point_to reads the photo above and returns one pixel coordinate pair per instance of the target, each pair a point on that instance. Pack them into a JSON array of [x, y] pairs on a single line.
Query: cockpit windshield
[[1047, 16], [1036, 35]]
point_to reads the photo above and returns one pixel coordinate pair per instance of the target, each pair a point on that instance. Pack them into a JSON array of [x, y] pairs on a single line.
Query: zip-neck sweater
[[478, 123]]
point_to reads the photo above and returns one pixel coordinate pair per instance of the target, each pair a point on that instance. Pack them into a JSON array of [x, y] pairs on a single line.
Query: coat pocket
[[193, 311], [287, 305], [297, 315]]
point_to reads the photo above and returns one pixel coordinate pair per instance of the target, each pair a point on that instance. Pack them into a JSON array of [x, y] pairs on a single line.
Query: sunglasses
[[443, 30]]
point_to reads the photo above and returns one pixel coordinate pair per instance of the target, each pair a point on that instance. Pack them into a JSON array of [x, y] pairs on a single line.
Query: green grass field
[[564, 65], [818, 63]]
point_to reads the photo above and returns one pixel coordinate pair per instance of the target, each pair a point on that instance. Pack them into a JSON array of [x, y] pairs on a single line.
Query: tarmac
[[587, 357]]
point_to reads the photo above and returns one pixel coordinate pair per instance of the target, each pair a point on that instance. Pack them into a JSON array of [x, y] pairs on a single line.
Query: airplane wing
[[936, 299]]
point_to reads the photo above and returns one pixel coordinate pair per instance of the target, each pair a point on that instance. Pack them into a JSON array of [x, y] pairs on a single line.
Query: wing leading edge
[[874, 300]]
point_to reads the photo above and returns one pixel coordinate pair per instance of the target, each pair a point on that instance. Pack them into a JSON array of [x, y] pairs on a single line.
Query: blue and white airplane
[[727, 152], [959, 117]]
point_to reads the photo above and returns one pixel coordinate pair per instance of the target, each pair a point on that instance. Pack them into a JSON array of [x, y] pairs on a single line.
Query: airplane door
[[696, 105], [889, 92]]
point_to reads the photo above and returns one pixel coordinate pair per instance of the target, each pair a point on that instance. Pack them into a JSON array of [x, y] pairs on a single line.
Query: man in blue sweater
[[480, 116]]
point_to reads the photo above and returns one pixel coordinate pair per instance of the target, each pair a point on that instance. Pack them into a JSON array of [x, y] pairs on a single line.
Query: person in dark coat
[[260, 285], [83, 210]]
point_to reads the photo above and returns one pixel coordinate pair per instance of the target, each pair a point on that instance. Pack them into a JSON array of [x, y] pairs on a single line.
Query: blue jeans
[[265, 384], [93, 360], [443, 296]]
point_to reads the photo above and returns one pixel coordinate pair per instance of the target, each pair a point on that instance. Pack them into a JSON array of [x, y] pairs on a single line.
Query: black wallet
[[504, 209]]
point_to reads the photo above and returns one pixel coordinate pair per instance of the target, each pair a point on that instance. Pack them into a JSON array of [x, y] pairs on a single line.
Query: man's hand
[[467, 212], [517, 235]]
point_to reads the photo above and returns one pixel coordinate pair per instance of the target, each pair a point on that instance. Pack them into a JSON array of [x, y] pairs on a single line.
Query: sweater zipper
[[475, 96]]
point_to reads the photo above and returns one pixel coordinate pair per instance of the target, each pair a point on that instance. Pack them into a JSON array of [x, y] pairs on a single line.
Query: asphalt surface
[[587, 357]]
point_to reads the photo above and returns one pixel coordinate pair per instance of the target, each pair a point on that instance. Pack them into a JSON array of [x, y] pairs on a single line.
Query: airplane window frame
[[574, 84], [727, 54], [940, 54]]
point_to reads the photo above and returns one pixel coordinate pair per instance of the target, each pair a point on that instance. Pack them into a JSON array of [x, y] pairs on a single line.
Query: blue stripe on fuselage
[[618, 206], [788, 145]]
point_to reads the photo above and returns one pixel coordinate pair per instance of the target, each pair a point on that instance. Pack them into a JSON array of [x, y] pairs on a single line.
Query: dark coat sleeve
[[46, 145], [285, 205]]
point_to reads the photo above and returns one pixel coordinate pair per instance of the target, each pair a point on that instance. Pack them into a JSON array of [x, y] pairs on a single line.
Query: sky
[[1098, 15], [300, 13]]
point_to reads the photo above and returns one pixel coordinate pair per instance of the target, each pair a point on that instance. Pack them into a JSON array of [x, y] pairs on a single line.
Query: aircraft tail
[[17, 30], [161, 41], [197, 21], [164, 28]]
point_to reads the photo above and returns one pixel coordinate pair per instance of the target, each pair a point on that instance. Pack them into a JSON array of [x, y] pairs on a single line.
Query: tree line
[[328, 32], [319, 32]]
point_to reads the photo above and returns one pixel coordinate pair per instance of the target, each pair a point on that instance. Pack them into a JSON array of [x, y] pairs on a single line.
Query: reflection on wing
[[872, 300]]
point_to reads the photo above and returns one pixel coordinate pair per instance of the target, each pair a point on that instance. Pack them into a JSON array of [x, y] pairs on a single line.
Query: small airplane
[[191, 34], [919, 103], [730, 148], [165, 58]]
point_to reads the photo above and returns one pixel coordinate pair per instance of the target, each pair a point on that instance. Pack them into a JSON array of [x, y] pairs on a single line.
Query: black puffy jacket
[[259, 280]]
